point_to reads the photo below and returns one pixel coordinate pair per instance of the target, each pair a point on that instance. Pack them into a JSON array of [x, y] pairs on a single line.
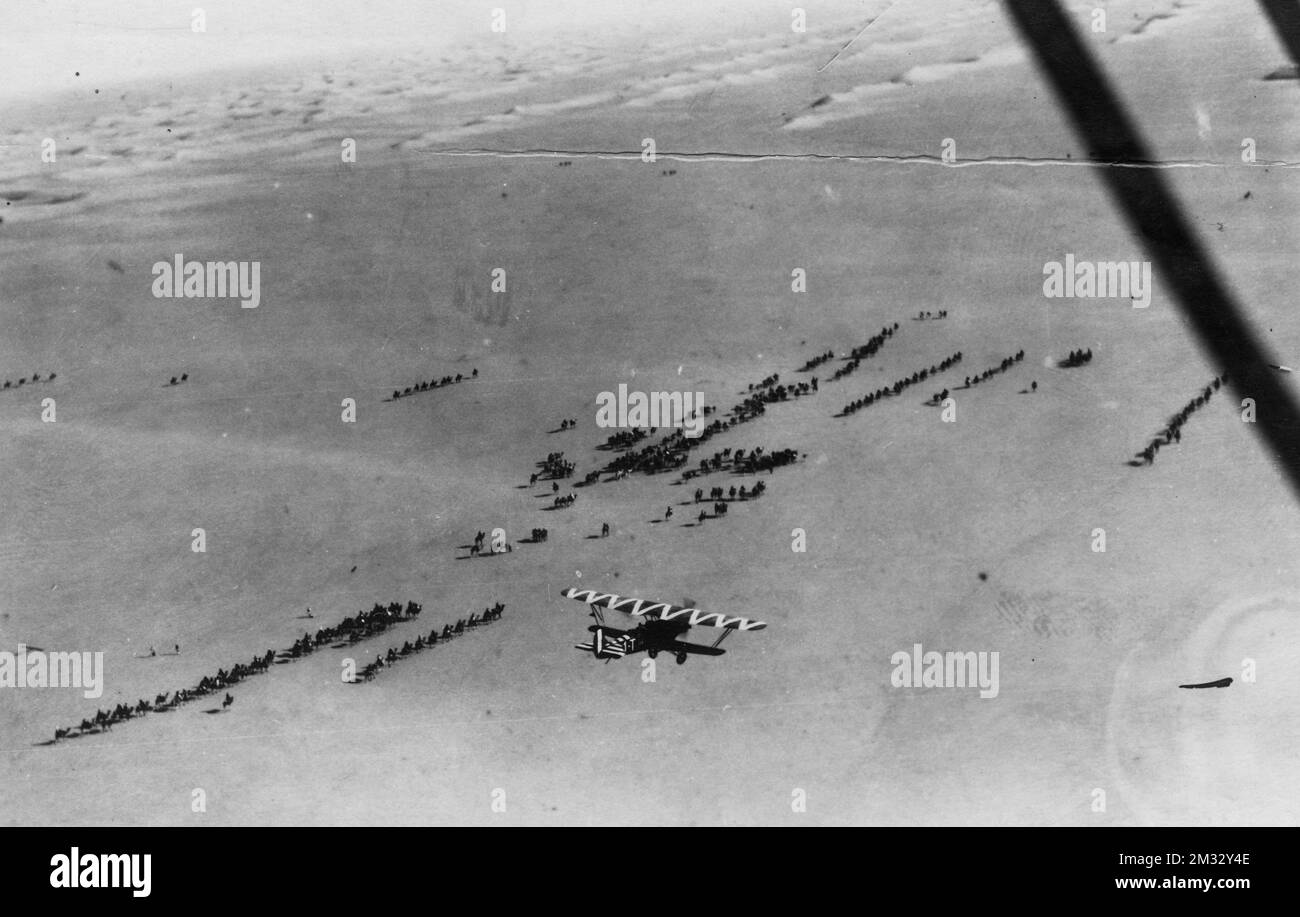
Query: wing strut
[[722, 636]]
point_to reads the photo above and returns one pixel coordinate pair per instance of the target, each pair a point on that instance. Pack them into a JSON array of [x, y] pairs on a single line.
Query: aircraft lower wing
[[697, 649]]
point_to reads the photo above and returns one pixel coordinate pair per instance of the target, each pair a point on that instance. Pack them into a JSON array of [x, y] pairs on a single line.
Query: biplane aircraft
[[658, 630]]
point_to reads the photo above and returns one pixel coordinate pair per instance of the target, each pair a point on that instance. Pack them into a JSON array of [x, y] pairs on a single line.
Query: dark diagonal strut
[[1153, 214]]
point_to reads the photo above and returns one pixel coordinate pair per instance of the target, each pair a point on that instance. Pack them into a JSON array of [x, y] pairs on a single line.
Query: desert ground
[[772, 154]]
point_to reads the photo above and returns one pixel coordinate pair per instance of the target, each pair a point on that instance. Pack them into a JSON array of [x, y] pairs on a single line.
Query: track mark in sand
[[1143, 27], [39, 198], [845, 46]]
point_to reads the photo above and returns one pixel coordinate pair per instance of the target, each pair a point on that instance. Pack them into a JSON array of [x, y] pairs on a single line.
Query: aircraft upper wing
[[661, 611]]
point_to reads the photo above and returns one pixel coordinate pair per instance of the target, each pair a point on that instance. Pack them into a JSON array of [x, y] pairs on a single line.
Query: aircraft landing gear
[[681, 658], [652, 653]]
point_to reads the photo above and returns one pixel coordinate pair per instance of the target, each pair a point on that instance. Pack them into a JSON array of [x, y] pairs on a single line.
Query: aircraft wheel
[[652, 653], [681, 658]]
